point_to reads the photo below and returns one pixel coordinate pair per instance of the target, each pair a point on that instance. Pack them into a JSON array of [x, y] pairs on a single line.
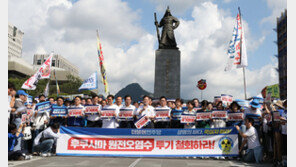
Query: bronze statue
[[169, 23]]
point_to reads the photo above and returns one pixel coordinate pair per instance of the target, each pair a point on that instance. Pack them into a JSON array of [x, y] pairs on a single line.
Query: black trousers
[[176, 124], [127, 124], [14, 155], [97, 123], [150, 125], [162, 125], [284, 145]]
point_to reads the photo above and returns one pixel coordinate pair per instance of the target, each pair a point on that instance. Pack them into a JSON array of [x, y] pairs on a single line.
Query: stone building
[[282, 53]]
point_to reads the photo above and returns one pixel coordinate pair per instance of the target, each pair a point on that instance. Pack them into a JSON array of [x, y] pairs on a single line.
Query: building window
[[53, 63], [39, 62]]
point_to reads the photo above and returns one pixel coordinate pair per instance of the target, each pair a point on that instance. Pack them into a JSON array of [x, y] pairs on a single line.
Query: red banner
[[110, 144], [236, 116], [24, 118], [219, 114], [75, 112], [107, 113], [142, 122], [29, 111], [125, 113], [162, 113], [203, 116], [188, 118], [91, 109]]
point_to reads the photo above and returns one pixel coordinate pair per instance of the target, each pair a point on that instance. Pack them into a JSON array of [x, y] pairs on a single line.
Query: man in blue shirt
[[13, 135], [59, 112]]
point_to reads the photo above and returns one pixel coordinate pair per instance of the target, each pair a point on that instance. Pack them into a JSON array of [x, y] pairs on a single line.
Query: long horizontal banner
[[86, 141]]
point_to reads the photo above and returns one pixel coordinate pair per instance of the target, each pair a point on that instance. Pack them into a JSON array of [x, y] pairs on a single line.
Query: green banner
[[274, 90]]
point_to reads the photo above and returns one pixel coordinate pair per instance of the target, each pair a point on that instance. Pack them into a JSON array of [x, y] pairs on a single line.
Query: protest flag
[[90, 83], [237, 54], [46, 90], [42, 73], [58, 88], [101, 64]]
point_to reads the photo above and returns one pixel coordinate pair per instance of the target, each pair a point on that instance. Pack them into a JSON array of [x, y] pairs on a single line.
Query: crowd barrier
[[86, 141]]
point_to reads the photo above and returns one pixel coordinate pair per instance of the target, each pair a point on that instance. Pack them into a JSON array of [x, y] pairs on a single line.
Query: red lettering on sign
[[195, 144], [110, 144]]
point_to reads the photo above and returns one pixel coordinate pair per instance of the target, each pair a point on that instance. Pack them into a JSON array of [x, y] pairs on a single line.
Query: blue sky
[[128, 38]]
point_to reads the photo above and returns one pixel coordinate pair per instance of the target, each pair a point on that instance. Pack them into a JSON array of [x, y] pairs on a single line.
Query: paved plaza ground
[[61, 161]]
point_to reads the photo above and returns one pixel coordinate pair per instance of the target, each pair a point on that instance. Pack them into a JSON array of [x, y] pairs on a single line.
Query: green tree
[[69, 87], [18, 82]]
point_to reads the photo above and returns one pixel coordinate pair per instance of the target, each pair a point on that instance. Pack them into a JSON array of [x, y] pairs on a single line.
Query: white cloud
[[227, 1], [203, 43], [179, 7], [277, 7], [69, 30]]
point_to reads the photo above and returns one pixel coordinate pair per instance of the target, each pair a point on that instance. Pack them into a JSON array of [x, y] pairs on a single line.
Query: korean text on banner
[[219, 114], [125, 113], [91, 109], [162, 114], [108, 113], [42, 73], [237, 53], [29, 111], [188, 118], [203, 116], [75, 111], [90, 83], [77, 141], [274, 90], [58, 111], [176, 114], [43, 107], [24, 118], [141, 122], [235, 116]]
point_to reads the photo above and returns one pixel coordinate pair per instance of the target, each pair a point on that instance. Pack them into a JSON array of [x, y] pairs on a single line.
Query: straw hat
[[279, 103]]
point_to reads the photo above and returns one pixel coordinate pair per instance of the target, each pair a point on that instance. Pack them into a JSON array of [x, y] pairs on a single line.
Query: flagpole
[[244, 73], [98, 62], [101, 65], [56, 83], [245, 89]]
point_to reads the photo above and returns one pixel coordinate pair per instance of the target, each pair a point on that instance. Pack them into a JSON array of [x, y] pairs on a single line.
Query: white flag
[[42, 73], [46, 90], [237, 53], [90, 83]]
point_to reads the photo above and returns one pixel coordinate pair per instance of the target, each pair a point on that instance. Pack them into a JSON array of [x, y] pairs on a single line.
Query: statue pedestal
[[167, 73]]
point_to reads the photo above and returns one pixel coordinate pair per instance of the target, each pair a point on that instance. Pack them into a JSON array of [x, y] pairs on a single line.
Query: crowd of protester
[[261, 137]]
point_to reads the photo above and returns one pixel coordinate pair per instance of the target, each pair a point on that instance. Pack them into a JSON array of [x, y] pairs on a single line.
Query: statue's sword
[[156, 24]]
